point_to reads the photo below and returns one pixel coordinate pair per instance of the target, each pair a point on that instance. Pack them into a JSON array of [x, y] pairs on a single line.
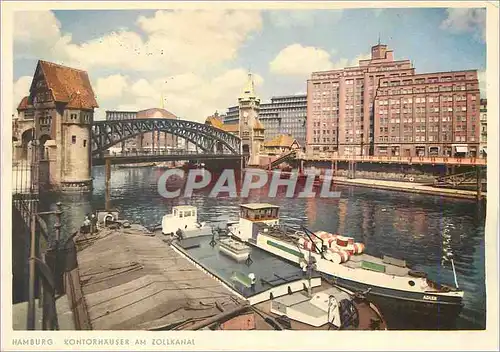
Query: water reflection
[[417, 228]]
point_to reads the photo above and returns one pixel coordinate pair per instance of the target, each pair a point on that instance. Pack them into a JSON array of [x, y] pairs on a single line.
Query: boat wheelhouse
[[251, 217], [341, 259], [183, 221]]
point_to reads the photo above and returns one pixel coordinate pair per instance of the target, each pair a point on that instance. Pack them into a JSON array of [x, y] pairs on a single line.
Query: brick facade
[[347, 112], [435, 114]]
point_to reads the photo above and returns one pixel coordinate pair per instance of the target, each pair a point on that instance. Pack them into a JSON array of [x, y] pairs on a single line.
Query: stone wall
[[76, 157]]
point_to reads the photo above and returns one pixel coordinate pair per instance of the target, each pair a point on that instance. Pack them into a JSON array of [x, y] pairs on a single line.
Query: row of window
[[423, 110], [431, 89], [384, 121], [429, 99], [443, 79]]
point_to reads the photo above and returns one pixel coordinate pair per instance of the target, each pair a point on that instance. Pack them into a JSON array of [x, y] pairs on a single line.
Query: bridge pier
[[351, 173]]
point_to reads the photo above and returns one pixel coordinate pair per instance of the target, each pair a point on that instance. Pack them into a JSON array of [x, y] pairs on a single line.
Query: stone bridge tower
[[251, 129], [63, 103]]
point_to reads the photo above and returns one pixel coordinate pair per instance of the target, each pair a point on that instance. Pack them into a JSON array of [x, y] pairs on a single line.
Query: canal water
[[417, 228]]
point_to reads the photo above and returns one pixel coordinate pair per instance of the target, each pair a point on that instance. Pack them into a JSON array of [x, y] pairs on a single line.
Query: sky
[[197, 61]]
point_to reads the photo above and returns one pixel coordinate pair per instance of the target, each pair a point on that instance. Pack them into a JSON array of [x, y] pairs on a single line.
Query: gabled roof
[[68, 85], [214, 121], [24, 104], [281, 141], [234, 127]]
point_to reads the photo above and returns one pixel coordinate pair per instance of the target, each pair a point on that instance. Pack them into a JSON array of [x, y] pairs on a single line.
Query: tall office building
[[433, 114], [342, 116], [283, 115], [340, 103]]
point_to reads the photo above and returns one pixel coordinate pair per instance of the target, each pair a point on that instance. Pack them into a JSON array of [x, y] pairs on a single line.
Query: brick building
[[340, 103], [434, 114], [342, 117]]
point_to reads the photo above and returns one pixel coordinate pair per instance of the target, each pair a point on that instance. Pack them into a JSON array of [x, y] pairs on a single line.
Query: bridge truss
[[106, 134]]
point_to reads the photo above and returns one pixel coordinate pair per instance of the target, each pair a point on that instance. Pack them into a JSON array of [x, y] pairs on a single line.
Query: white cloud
[[177, 41], [355, 61], [21, 89], [297, 60], [188, 96], [466, 20], [37, 34], [110, 87], [300, 18], [188, 49]]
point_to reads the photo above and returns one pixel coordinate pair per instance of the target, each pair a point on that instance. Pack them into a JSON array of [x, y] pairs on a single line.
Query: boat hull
[[408, 310], [427, 309]]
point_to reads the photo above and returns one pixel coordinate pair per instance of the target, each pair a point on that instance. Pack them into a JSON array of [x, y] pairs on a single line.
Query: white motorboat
[[233, 248], [184, 222]]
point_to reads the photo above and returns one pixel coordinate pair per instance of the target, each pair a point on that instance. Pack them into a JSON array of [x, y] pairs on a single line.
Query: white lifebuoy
[[411, 179]]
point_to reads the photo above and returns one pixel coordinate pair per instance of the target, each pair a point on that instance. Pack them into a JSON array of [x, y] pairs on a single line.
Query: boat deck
[[269, 270], [132, 281], [289, 235], [390, 269]]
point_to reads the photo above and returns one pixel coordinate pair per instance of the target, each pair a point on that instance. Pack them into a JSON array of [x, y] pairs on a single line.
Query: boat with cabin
[[382, 280], [233, 248], [183, 222], [279, 295]]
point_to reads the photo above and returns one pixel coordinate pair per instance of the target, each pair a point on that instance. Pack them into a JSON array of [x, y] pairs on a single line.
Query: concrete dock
[[64, 315], [132, 280], [411, 187]]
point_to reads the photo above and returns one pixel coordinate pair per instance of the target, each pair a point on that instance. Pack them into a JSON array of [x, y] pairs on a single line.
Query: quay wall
[[409, 187]]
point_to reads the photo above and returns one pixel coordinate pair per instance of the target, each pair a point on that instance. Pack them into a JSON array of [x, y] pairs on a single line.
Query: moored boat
[[183, 222], [340, 258], [235, 249]]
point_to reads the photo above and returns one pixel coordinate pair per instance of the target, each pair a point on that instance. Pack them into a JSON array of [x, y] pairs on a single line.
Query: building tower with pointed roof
[[251, 129], [63, 103]]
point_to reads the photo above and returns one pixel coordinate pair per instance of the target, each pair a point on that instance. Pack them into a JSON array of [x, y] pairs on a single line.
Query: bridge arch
[[106, 134]]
